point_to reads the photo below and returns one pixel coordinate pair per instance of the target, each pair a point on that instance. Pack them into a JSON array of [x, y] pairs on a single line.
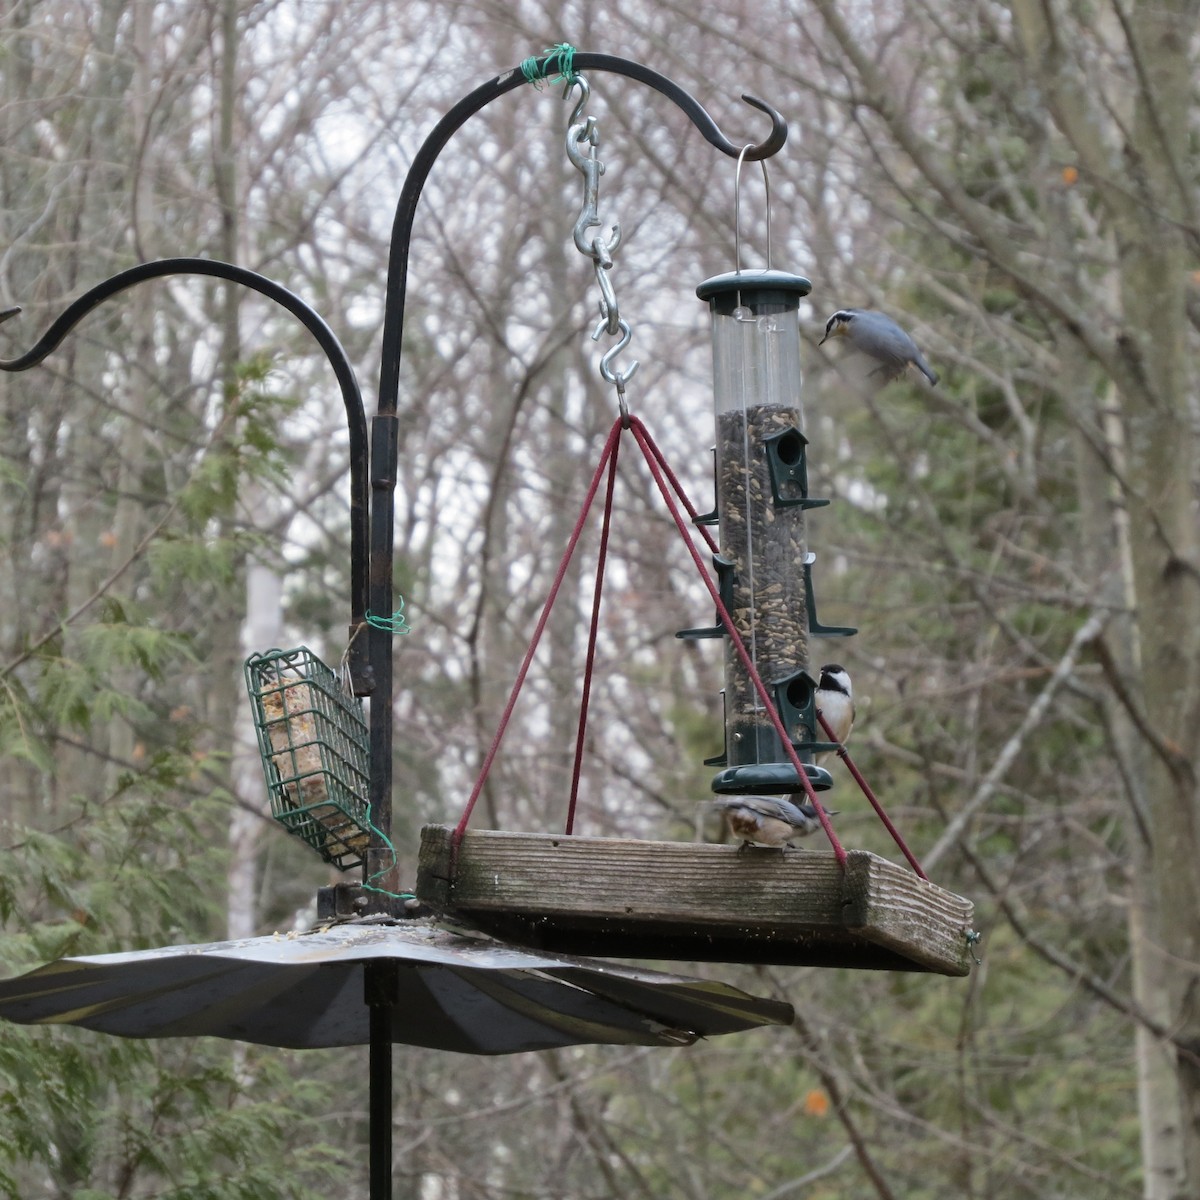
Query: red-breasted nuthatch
[[878, 337], [769, 820]]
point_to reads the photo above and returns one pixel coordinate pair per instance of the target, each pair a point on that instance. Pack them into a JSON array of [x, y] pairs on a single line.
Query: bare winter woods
[[1015, 182]]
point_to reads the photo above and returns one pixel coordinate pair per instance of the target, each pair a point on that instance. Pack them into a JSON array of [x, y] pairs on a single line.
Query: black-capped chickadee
[[772, 820], [878, 337], [834, 699], [769, 820]]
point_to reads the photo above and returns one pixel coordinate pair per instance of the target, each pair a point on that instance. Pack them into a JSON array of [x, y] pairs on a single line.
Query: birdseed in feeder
[[767, 545]]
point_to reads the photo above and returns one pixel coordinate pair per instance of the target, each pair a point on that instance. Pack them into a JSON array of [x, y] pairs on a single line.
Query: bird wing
[[766, 806]]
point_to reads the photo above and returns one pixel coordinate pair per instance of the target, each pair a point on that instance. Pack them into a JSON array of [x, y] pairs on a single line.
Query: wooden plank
[[906, 914], [701, 902]]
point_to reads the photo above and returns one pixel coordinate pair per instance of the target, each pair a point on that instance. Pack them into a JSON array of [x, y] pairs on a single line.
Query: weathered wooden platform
[[620, 898]]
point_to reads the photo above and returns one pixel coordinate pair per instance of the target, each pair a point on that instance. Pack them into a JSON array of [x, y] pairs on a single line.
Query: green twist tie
[[973, 940], [559, 59], [369, 883], [396, 623]]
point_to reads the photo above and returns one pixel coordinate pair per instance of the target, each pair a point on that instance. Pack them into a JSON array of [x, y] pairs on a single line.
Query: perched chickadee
[[880, 338], [834, 699], [769, 820]]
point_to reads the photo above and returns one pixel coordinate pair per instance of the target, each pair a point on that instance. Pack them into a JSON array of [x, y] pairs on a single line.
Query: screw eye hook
[[619, 378], [585, 93]]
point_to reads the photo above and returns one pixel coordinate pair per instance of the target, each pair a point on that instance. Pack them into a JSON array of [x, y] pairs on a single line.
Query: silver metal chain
[[583, 149]]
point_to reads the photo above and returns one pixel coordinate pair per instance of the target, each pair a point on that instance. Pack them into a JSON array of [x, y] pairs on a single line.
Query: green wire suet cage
[[314, 746]]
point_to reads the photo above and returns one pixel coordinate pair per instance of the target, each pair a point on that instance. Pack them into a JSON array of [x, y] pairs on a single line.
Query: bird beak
[[823, 340]]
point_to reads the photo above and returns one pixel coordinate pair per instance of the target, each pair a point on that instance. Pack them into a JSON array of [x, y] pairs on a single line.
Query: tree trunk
[[1166, 535]]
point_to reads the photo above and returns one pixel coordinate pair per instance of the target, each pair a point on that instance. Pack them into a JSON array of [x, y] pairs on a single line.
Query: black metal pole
[[381, 988], [384, 428]]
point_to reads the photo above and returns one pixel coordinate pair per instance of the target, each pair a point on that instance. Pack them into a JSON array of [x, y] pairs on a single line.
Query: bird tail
[[800, 800]]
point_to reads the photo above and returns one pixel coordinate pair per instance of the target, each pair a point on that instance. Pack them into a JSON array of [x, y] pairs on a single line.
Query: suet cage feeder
[[313, 742]]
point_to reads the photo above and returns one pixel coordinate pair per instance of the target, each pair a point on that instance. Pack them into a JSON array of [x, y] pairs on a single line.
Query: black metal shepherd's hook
[[372, 525], [384, 431], [356, 420], [380, 859], [372, 507]]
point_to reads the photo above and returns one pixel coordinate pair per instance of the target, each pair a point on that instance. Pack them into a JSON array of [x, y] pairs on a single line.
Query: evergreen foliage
[[1006, 179]]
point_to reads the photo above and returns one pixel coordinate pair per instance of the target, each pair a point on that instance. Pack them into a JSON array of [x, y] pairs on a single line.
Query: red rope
[[590, 662], [678, 489], [609, 450], [645, 441], [667, 481], [844, 755]]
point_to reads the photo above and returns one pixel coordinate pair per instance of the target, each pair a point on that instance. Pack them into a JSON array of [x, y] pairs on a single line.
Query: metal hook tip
[[779, 130], [5, 313], [585, 93]]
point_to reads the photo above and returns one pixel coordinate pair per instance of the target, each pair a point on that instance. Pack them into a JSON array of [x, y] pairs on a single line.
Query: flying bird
[[877, 336]]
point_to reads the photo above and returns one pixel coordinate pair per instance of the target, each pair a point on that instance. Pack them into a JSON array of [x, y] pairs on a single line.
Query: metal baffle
[[762, 494]]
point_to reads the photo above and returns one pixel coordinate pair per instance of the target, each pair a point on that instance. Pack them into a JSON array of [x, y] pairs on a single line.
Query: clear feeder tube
[[756, 397]]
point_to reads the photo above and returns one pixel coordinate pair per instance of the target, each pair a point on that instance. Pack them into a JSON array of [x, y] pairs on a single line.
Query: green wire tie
[[973, 940], [369, 884], [560, 59], [396, 623]]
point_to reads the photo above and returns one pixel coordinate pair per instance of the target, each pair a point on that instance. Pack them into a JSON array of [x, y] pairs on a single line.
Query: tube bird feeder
[[762, 495]]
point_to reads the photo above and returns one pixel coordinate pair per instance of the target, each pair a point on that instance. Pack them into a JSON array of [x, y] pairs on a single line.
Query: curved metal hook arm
[[691, 106], [381, 862], [393, 320], [351, 396]]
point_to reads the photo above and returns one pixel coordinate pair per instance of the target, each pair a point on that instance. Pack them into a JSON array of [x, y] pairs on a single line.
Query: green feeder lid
[[755, 287]]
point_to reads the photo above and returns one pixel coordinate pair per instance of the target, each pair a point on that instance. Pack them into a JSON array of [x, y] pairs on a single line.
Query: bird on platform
[[768, 820], [878, 337]]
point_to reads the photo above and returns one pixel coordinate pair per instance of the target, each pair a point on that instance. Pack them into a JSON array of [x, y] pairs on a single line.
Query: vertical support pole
[[379, 868], [381, 985]]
